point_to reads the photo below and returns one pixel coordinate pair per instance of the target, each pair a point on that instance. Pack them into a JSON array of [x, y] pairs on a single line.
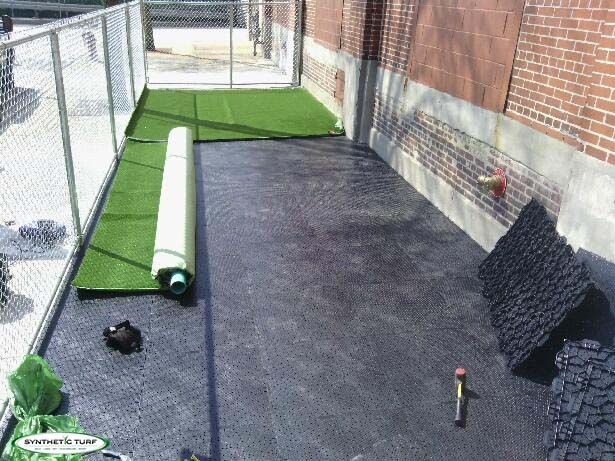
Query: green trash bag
[[38, 425], [35, 388]]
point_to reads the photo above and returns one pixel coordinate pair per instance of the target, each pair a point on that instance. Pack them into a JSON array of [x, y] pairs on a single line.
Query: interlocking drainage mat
[[326, 324], [582, 408], [533, 281], [231, 114]]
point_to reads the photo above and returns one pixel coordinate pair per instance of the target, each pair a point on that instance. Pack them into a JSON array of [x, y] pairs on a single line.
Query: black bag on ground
[[123, 337]]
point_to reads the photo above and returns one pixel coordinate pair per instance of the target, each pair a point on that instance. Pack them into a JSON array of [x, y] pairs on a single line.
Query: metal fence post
[[68, 154], [231, 14], [105, 44], [298, 42], [142, 19], [130, 64]]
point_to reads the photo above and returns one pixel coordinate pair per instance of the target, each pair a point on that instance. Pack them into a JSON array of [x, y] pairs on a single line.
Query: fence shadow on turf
[[195, 123]]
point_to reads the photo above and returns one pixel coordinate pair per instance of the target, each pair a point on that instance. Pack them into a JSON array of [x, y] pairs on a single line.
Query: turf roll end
[[178, 282]]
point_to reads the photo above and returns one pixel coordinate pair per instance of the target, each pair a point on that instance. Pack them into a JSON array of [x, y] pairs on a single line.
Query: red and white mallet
[[460, 384]]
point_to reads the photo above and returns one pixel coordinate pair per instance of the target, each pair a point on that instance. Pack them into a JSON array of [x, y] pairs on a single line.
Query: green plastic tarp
[[36, 394], [38, 425], [35, 388]]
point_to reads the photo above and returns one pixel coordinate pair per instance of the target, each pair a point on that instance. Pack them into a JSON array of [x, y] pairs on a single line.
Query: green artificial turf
[[120, 253], [231, 114]]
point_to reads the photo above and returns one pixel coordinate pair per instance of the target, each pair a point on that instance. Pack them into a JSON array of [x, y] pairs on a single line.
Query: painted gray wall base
[[359, 85], [541, 153], [587, 215], [366, 102], [319, 52], [475, 222], [321, 95]]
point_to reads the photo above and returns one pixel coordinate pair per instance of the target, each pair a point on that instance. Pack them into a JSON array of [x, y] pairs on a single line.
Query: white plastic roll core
[[174, 249]]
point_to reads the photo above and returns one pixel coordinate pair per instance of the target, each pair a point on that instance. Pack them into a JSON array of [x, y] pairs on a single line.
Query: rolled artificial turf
[[119, 256], [219, 115], [174, 248]]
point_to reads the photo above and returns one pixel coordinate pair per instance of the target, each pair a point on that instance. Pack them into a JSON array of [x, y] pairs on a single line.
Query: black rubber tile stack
[[533, 281], [331, 306], [582, 409]]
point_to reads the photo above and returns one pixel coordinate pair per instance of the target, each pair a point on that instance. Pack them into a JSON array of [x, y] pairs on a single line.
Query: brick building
[[447, 90]]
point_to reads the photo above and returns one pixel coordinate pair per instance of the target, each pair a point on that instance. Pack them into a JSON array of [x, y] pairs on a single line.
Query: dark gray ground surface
[[331, 307]]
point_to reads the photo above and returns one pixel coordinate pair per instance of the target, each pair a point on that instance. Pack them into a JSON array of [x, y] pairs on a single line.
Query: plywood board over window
[[328, 20], [466, 48]]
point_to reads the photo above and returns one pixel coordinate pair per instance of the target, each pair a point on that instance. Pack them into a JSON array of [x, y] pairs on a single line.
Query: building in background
[[42, 11]]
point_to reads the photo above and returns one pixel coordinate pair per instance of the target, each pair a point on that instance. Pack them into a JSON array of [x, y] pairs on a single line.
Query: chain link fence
[[223, 44], [67, 91]]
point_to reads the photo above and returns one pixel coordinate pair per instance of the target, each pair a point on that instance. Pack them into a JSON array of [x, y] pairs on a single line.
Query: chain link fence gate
[[67, 91], [223, 43]]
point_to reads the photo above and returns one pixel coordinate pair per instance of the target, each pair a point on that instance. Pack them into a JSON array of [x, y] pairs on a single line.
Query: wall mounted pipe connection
[[496, 183]]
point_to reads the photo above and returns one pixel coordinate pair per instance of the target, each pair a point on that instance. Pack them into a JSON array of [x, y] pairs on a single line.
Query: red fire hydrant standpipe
[[496, 183], [499, 190]]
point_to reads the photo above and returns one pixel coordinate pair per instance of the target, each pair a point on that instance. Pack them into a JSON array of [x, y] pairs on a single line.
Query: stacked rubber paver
[[582, 409], [533, 281]]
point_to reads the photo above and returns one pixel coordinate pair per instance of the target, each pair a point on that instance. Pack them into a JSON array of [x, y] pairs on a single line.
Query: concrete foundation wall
[[587, 216]]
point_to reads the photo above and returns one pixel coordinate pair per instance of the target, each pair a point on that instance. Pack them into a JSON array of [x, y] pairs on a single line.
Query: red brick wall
[[399, 18], [282, 14], [560, 82], [340, 85], [361, 28], [321, 74], [309, 18], [452, 156], [325, 17], [355, 29], [466, 47], [598, 116], [563, 73]]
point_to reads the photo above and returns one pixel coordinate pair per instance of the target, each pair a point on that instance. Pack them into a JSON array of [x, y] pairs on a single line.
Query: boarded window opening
[[466, 48]]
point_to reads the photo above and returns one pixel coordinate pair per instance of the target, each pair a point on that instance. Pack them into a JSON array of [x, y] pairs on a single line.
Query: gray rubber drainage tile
[[331, 307]]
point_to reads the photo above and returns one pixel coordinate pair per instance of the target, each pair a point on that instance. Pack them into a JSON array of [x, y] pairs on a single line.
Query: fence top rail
[[221, 3], [56, 26]]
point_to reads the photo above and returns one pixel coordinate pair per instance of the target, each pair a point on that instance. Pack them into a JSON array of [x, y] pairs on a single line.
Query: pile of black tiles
[[582, 408], [533, 281]]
